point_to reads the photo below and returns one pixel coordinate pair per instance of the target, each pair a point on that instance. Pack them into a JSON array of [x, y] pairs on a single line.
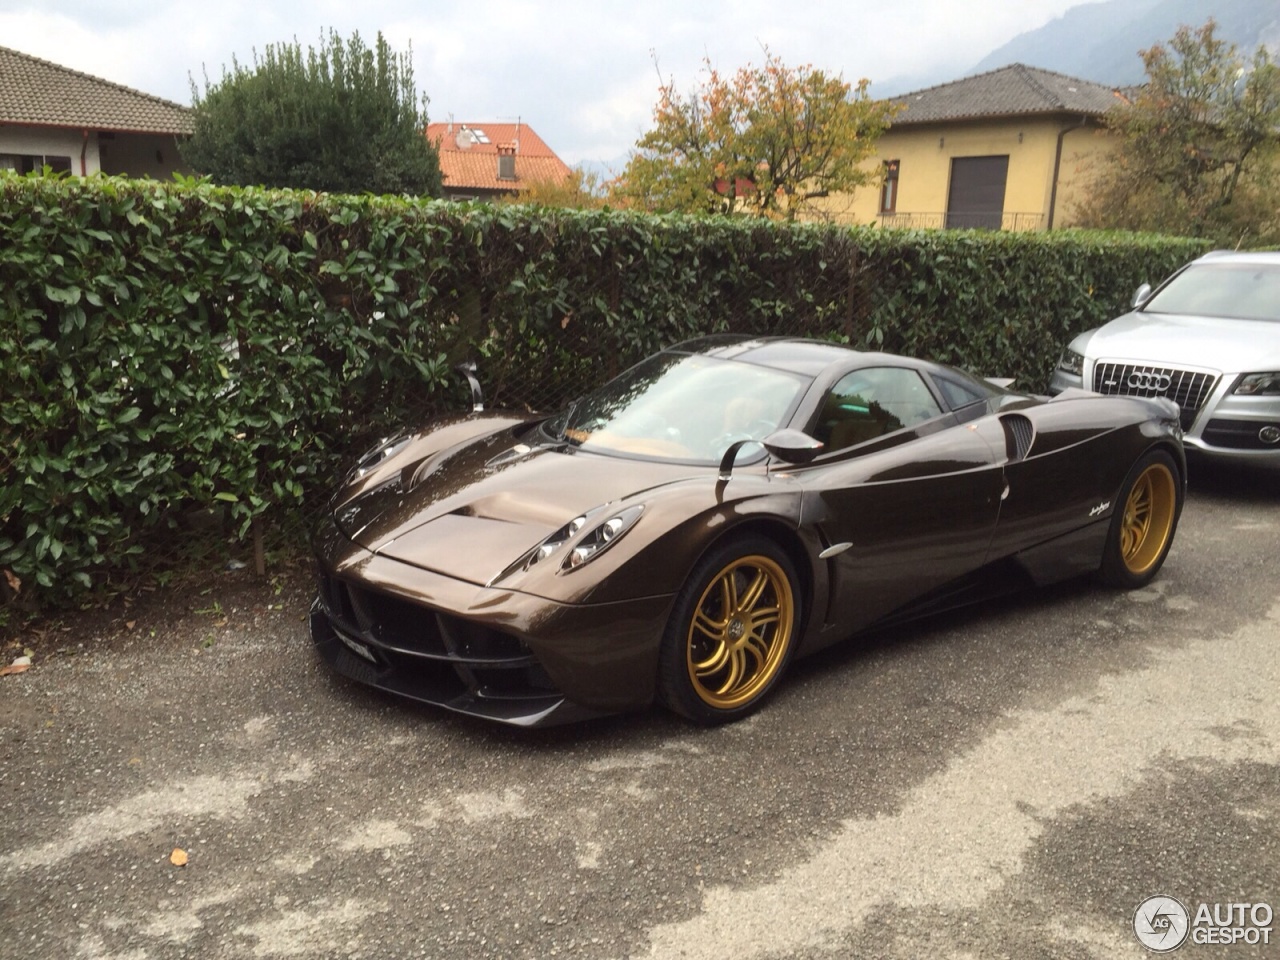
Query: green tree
[[767, 141], [1197, 152], [344, 119]]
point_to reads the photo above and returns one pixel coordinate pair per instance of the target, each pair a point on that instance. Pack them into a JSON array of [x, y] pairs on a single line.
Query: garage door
[[976, 198]]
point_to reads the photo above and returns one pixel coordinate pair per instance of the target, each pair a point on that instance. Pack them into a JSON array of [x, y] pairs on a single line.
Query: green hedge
[[164, 346]]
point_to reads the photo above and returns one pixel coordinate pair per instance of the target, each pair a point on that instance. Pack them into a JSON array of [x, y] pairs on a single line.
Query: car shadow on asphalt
[[1233, 482]]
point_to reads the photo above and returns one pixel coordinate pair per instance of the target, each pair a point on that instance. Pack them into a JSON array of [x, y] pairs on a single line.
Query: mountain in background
[[1100, 41], [1095, 41]]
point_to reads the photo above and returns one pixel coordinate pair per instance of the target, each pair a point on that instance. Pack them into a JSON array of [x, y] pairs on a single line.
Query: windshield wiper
[[568, 415]]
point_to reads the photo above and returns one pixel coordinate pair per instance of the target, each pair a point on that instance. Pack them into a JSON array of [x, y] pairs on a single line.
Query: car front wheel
[[732, 632]]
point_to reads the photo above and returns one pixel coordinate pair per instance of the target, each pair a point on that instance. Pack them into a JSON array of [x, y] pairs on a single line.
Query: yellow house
[[1013, 149]]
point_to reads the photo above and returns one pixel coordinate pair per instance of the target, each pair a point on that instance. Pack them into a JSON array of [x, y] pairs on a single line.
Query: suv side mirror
[[1141, 296]]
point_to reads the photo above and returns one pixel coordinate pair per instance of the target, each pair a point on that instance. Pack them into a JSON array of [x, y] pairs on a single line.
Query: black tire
[[1143, 522], [732, 632]]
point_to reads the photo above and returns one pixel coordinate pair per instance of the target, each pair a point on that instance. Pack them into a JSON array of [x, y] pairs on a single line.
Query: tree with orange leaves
[[766, 141], [581, 190]]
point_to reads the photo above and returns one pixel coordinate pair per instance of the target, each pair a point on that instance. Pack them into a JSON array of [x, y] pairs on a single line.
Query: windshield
[[679, 407], [1239, 291]]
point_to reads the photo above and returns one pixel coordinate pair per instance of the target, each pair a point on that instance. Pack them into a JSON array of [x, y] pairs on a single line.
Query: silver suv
[[1207, 338]]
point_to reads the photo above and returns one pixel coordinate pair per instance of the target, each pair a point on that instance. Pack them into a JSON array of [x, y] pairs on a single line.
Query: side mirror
[[789, 446], [792, 446], [1141, 296], [468, 370]]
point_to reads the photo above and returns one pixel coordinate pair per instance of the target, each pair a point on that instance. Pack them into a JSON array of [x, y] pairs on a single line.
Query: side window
[[958, 394], [869, 403]]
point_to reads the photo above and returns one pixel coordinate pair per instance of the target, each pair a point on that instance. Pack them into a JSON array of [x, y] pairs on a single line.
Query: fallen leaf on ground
[[15, 584], [14, 668], [179, 857]]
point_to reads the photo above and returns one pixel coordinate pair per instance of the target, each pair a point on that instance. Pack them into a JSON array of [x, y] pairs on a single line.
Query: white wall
[[52, 142], [130, 154]]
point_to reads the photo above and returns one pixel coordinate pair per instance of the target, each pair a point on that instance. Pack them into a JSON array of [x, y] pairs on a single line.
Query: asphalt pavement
[[1015, 780]]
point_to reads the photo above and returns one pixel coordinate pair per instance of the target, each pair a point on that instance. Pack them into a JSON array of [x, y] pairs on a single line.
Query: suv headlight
[[1071, 362], [1258, 385]]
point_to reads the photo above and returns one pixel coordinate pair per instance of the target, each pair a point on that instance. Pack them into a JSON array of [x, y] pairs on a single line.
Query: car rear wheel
[[732, 632], [1143, 523]]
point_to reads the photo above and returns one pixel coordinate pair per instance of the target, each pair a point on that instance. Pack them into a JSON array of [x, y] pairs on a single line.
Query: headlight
[[1071, 362], [588, 545], [555, 541], [1258, 385], [602, 537]]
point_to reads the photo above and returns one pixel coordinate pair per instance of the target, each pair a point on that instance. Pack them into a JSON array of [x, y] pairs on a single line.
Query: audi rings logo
[[1161, 924], [1149, 381]]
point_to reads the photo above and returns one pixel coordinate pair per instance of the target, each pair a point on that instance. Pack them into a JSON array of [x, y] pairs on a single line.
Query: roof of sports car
[[807, 357]]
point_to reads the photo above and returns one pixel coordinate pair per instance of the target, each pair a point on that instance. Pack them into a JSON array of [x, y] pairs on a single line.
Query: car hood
[[1225, 345], [471, 511]]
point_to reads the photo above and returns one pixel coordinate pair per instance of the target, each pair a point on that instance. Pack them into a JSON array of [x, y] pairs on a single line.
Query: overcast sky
[[581, 74]]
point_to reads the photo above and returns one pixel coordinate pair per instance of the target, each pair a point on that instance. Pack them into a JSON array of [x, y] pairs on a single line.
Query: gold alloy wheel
[[1148, 518], [741, 630]]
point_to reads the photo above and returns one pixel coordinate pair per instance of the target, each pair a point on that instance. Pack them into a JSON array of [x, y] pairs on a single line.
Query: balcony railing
[[964, 221]]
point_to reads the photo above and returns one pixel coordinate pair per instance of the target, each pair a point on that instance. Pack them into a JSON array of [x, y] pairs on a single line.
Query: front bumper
[[482, 651], [1227, 428]]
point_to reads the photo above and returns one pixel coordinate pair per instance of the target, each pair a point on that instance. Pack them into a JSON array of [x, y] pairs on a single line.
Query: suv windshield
[[1239, 291], [681, 407]]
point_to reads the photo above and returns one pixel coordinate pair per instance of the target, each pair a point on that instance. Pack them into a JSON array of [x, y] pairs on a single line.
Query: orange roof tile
[[469, 155]]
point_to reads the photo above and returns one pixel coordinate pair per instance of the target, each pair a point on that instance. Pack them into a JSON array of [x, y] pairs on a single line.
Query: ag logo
[[1161, 924]]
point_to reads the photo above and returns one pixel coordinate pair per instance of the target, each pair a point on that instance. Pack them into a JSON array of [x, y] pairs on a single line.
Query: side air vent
[[1018, 434]]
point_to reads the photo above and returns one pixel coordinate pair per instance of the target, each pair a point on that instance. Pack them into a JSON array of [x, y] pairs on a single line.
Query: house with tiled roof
[[1015, 149], [483, 161], [54, 116]]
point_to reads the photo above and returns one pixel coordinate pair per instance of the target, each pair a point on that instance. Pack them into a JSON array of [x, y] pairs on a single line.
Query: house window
[[26, 163], [889, 189], [976, 197]]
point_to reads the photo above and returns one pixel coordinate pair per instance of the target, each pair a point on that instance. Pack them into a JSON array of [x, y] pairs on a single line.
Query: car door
[[906, 498], [1063, 478]]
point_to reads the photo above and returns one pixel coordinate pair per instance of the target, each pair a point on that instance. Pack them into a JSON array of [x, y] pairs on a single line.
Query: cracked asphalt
[[1009, 781]]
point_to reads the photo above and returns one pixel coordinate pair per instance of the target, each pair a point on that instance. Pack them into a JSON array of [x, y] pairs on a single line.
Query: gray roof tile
[[1015, 90], [35, 91]]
